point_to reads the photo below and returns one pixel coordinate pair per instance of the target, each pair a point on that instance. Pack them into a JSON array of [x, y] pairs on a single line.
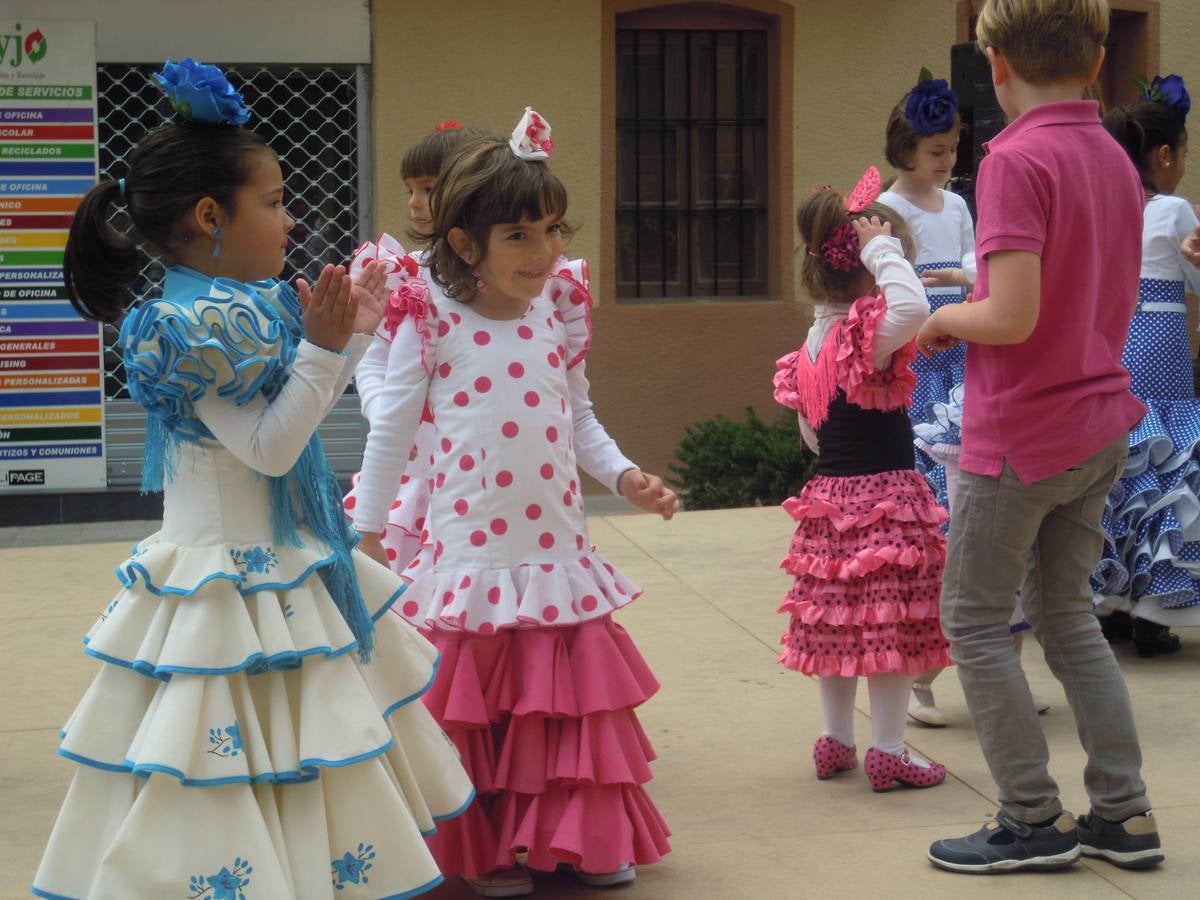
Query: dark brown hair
[[484, 184], [1141, 128], [821, 213], [902, 140], [170, 170], [424, 158]]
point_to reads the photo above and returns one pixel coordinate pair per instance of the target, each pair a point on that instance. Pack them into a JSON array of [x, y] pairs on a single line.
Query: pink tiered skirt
[[544, 719], [868, 556]]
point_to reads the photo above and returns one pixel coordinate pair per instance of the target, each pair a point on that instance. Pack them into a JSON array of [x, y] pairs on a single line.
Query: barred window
[[692, 167], [309, 116]]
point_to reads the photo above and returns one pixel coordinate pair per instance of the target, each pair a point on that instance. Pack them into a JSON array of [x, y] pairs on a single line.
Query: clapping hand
[[327, 309], [368, 287]]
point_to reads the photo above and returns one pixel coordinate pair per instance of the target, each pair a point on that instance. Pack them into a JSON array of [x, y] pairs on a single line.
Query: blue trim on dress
[[453, 815], [391, 601], [128, 581], [309, 769], [92, 763], [145, 770], [38, 892], [413, 696]]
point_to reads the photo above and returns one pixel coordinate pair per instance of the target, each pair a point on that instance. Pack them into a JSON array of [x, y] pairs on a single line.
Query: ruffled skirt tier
[[868, 556], [544, 720], [233, 745], [1151, 560]]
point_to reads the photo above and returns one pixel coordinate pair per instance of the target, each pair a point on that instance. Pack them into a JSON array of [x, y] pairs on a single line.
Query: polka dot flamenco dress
[[233, 744], [537, 685], [868, 552], [1151, 562]]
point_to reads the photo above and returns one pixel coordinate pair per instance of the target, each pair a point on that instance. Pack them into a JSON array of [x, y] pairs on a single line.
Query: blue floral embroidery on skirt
[[225, 741], [256, 560], [225, 885], [351, 868]]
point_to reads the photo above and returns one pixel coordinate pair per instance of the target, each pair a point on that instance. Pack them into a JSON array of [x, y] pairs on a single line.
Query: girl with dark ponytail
[[236, 741], [1153, 513]]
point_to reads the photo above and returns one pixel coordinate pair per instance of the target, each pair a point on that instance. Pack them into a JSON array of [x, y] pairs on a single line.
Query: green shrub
[[723, 463]]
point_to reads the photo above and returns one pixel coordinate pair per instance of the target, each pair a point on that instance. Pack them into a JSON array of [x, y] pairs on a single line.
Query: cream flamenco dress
[[255, 729]]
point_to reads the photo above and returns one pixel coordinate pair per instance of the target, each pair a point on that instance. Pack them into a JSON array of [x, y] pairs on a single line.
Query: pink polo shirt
[[1056, 184]]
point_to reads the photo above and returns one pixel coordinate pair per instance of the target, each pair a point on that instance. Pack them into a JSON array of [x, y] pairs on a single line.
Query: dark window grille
[[692, 182], [309, 116]]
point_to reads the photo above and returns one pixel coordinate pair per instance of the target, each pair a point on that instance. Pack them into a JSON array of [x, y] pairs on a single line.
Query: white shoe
[[514, 882], [625, 874], [923, 709], [1040, 703]]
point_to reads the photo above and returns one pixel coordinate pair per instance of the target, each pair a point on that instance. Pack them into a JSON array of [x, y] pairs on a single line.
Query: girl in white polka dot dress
[[537, 684], [1151, 564]]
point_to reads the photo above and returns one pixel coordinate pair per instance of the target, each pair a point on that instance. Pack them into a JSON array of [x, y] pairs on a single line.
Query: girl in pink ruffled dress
[[537, 684], [867, 553]]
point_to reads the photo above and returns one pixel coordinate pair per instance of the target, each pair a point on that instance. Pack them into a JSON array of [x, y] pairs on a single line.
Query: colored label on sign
[[47, 132], [33, 239], [16, 205], [51, 360]]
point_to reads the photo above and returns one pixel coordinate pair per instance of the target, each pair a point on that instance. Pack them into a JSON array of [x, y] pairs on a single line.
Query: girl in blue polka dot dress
[[1151, 564]]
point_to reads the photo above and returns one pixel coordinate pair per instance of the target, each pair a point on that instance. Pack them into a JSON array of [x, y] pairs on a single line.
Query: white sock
[[889, 712], [837, 707]]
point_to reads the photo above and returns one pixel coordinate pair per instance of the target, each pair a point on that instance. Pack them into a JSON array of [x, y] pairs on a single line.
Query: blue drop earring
[[216, 247]]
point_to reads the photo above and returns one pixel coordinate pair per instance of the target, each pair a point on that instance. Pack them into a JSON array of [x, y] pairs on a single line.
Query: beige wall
[[656, 368]]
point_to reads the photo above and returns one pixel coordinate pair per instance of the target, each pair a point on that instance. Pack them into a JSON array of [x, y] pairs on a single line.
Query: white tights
[[889, 709]]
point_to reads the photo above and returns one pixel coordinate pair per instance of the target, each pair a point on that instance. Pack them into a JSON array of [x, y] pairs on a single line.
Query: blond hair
[[1045, 40]]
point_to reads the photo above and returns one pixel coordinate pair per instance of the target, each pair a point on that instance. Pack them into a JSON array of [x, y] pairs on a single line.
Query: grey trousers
[[1044, 538]]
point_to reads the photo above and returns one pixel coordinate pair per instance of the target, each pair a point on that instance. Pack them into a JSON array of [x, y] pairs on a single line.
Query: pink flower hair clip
[[840, 249], [531, 138]]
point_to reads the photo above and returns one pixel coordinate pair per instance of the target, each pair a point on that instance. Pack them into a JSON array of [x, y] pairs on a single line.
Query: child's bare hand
[[932, 339], [1190, 248], [868, 229], [648, 493], [369, 289], [371, 545], [941, 278], [328, 310]]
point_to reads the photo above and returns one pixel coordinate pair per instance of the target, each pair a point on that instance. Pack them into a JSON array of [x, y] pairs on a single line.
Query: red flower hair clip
[[448, 125]]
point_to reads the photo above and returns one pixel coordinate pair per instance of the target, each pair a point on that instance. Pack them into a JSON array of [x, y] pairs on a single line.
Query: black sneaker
[[1006, 845], [1132, 844]]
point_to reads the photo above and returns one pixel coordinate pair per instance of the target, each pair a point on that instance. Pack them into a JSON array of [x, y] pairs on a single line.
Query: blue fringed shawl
[[242, 339]]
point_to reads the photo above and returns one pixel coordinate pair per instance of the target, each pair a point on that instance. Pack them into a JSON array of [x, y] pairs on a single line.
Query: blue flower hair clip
[[1168, 91], [201, 93], [931, 105]]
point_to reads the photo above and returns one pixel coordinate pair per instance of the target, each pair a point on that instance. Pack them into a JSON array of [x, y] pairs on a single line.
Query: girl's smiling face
[[520, 256]]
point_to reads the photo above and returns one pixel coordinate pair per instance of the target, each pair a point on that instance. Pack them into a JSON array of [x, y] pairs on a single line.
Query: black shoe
[[1152, 639], [1116, 626], [1132, 844], [1006, 845]]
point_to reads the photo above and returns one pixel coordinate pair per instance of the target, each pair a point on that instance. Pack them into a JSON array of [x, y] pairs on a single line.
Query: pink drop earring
[[480, 284]]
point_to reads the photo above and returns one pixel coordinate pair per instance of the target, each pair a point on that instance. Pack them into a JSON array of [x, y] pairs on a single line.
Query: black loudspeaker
[[983, 119]]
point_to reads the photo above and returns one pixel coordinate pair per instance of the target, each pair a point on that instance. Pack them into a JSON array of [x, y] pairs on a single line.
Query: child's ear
[[460, 243], [1096, 65], [1000, 71], [206, 217]]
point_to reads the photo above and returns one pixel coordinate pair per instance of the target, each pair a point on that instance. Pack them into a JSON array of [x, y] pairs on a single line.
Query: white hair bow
[[531, 138]]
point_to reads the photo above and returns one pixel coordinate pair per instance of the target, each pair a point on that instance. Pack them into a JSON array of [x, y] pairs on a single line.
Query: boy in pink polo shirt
[[1047, 415]]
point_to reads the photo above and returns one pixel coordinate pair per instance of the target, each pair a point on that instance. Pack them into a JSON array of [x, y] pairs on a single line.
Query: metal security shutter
[[315, 118]]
